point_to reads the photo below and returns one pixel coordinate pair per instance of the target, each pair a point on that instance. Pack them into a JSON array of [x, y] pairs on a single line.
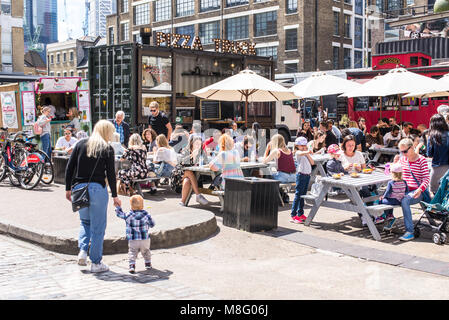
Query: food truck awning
[[11, 77]]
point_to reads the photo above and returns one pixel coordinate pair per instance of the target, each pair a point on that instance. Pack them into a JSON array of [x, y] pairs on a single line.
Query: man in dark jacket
[[122, 128]]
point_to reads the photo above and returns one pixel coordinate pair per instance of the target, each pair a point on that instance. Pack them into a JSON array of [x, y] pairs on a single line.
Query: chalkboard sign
[[361, 104], [210, 110], [330, 104]]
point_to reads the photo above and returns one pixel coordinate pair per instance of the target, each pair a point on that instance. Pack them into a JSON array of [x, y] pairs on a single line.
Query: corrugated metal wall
[[437, 48]]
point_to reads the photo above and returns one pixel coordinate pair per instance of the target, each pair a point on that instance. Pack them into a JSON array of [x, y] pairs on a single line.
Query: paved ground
[[335, 258]]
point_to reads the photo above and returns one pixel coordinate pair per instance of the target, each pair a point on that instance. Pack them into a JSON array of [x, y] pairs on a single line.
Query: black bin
[[59, 165], [251, 204]]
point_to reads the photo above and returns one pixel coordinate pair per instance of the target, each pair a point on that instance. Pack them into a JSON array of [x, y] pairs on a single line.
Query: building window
[[291, 6], [64, 57], [358, 33], [237, 28], [65, 73], [347, 58], [141, 14], [233, 3], [348, 1], [347, 26], [336, 23], [58, 58], [52, 60], [291, 39], [185, 8], [124, 6], [86, 74], [189, 30], [162, 10], [72, 73], [137, 38], [125, 31], [6, 47], [111, 35], [336, 57], [6, 7], [207, 5], [267, 52], [265, 24], [71, 55], [358, 59], [358, 7], [209, 31], [80, 74], [52, 73], [291, 67], [58, 74]]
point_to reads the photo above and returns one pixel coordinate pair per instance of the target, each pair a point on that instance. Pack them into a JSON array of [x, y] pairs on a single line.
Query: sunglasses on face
[[153, 110], [405, 151]]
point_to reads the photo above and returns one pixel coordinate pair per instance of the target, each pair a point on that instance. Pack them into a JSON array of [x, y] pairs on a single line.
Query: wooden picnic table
[[351, 186], [320, 160], [206, 171], [380, 150]]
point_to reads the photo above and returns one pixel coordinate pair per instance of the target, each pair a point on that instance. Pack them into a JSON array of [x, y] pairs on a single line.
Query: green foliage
[[441, 6]]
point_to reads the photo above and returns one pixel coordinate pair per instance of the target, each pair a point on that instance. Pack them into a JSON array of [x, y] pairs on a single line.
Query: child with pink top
[[396, 190]]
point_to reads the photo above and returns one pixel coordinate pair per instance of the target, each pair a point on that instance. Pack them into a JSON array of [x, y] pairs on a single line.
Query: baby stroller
[[437, 213]]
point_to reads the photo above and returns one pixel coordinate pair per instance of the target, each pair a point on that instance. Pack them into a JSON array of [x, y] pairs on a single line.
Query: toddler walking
[[138, 221], [303, 171], [396, 190]]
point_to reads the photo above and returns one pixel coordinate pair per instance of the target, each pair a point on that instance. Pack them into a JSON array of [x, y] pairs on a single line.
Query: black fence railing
[[409, 11]]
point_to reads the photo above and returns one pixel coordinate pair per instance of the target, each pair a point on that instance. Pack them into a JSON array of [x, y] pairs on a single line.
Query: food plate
[[336, 176], [355, 175]]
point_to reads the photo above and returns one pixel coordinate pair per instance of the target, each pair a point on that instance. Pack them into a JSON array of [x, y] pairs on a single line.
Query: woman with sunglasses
[[362, 125], [415, 172]]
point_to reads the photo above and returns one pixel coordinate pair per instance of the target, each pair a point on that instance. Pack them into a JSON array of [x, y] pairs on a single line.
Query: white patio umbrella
[[442, 91], [322, 84], [398, 81], [245, 86]]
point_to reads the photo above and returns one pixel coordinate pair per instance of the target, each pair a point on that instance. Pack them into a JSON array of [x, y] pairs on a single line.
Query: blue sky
[[75, 19]]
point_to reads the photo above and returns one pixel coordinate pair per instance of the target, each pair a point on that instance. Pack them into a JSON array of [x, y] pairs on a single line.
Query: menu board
[[9, 111], [210, 110], [361, 103], [28, 108]]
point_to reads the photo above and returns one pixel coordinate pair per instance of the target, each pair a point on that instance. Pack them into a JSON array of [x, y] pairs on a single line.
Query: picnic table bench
[[380, 150], [355, 202]]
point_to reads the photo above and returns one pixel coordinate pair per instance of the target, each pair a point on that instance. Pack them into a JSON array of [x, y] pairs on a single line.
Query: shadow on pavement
[[144, 276]]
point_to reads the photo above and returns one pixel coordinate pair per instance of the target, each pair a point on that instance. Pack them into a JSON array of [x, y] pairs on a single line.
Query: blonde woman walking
[[93, 157]]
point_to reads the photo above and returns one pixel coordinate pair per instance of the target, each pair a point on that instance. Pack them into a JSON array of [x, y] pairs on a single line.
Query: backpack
[[37, 128]]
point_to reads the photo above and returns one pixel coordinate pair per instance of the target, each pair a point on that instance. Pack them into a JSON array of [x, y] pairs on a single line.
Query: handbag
[[426, 194], [80, 197]]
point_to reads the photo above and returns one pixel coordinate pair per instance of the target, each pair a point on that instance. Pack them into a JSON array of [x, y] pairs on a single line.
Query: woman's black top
[[79, 168]]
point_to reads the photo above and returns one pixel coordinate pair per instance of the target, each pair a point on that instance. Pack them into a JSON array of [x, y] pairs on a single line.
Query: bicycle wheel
[[31, 177], [49, 174], [14, 179], [3, 168]]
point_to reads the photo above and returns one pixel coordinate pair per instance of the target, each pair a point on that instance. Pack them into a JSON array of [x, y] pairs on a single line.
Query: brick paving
[[29, 272]]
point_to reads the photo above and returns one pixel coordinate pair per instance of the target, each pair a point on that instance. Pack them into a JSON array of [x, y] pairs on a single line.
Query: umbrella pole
[[400, 108], [246, 111], [380, 105]]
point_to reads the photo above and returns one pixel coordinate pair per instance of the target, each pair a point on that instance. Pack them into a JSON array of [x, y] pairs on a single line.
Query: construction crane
[[69, 31], [34, 38]]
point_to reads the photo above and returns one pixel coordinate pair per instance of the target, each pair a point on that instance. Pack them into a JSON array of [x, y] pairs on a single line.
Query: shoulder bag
[[426, 194], [80, 197]]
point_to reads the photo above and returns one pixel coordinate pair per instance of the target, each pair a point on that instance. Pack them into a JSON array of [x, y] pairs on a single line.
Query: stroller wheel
[[446, 227], [443, 238], [417, 232], [436, 238]]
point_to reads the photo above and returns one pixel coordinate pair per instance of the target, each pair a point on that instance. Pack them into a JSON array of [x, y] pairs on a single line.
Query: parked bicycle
[[19, 161]]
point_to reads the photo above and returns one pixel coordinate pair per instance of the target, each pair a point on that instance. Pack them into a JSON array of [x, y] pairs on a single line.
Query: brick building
[[11, 35], [301, 35], [69, 58]]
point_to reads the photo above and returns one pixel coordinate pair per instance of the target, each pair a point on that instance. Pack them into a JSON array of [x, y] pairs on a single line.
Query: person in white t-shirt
[[164, 155], [67, 142], [391, 139], [351, 159]]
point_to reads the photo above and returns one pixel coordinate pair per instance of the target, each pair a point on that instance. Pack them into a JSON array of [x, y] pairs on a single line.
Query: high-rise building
[[11, 32], [40, 24], [98, 10]]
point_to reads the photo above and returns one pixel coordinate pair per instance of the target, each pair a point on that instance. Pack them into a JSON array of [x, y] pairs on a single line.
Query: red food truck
[[414, 110]]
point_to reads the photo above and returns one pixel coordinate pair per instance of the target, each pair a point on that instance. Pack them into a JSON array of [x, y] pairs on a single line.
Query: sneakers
[[379, 220], [99, 267], [300, 219], [201, 200], [153, 190], [390, 224], [148, 265], [82, 258], [182, 204], [132, 268], [407, 236]]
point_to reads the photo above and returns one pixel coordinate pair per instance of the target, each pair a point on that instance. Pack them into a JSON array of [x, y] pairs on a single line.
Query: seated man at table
[[391, 139], [66, 142]]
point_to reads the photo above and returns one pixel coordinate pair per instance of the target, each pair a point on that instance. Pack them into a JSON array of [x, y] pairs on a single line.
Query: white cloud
[[75, 17]]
